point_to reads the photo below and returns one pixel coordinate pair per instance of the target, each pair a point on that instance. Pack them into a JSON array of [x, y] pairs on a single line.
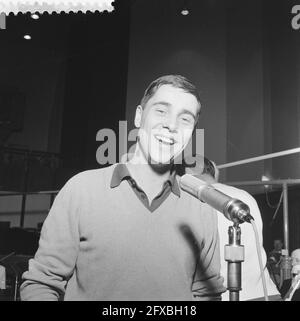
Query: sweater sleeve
[[54, 261], [208, 283]]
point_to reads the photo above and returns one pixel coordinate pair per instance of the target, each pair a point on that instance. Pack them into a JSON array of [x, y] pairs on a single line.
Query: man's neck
[[149, 177]]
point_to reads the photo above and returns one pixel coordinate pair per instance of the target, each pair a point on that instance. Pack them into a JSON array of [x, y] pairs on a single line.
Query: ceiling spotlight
[[185, 11], [27, 37], [35, 16]]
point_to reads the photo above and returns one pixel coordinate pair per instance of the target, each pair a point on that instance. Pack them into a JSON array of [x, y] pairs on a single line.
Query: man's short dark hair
[[176, 81]]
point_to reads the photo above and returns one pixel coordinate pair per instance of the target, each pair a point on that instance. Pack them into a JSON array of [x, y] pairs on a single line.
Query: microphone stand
[[234, 255]]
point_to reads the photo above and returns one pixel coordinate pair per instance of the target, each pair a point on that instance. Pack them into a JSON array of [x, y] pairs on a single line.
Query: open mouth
[[165, 140]]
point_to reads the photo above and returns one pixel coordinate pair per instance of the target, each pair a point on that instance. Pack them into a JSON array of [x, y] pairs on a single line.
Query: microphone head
[[238, 211]]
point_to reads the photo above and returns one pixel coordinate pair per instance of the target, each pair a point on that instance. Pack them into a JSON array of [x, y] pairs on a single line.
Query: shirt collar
[[174, 183], [121, 172]]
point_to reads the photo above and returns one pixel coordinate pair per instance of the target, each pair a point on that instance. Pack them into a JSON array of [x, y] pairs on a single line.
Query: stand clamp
[[234, 255]]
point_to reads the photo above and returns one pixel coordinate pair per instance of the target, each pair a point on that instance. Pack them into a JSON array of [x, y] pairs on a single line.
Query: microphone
[[232, 208]]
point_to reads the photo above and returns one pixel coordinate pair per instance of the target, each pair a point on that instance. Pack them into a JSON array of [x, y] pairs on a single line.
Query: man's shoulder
[[91, 176]]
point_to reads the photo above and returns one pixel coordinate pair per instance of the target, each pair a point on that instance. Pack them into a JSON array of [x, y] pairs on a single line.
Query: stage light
[[185, 10], [35, 16], [27, 37]]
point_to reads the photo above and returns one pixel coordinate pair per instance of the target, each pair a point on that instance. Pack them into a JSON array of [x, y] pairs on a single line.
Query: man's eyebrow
[[186, 111], [164, 103]]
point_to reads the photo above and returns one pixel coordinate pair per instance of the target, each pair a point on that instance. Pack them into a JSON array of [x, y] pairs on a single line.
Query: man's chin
[[165, 161], [161, 162]]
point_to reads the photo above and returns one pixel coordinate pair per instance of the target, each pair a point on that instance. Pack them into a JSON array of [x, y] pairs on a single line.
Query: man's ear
[[138, 116]]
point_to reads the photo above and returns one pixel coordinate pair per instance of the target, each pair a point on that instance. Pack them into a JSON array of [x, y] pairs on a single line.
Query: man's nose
[[171, 123]]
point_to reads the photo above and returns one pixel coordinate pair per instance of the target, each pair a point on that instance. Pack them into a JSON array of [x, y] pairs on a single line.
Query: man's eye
[[187, 120], [161, 111]]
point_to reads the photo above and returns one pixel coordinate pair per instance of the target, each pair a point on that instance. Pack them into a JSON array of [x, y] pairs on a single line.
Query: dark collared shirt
[[121, 172]]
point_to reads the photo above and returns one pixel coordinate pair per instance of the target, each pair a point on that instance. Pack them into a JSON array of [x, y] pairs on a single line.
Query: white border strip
[[58, 6]]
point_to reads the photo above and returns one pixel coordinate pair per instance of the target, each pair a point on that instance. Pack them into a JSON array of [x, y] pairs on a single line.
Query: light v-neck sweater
[[102, 243]]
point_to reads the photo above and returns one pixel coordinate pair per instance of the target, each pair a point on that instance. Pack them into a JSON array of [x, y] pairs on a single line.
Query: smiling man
[[167, 120], [127, 232]]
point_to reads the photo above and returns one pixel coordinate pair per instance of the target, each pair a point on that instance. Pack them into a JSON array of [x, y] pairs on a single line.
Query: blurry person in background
[[252, 287], [290, 289], [274, 262], [276, 253]]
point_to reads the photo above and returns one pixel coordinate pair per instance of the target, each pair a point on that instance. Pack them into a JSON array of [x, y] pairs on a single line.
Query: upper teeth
[[165, 139]]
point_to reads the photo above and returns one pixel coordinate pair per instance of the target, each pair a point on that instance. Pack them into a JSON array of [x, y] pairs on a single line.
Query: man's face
[[278, 245], [166, 124]]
